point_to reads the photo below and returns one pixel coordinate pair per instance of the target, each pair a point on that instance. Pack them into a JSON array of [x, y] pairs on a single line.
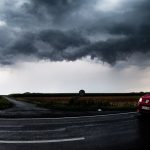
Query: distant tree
[[75, 100], [81, 93], [26, 93], [142, 92]]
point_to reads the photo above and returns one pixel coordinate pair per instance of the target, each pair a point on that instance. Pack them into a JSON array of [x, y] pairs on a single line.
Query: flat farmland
[[124, 101]]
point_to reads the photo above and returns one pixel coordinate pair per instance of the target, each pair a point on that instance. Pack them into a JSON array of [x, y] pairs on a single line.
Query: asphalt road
[[124, 131], [23, 109], [23, 106]]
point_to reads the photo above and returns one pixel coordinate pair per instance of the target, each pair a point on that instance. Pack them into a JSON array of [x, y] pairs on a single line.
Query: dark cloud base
[[58, 30]]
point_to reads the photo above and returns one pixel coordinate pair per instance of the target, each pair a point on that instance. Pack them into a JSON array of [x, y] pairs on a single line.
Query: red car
[[144, 104]]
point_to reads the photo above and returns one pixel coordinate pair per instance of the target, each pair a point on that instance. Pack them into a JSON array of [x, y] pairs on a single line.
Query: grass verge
[[4, 103]]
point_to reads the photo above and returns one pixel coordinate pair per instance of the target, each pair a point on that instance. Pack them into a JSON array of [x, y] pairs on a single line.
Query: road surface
[[23, 106], [23, 109], [124, 131]]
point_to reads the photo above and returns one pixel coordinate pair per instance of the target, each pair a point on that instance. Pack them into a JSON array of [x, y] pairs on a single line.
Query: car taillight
[[140, 100]]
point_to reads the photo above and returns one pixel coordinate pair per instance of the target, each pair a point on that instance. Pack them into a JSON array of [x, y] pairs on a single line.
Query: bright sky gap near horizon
[[57, 46]]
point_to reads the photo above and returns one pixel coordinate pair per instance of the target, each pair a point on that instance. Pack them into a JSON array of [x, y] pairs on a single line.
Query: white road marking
[[43, 141], [60, 118]]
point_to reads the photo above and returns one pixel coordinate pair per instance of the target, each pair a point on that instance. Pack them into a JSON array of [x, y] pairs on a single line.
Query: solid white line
[[43, 141], [113, 114]]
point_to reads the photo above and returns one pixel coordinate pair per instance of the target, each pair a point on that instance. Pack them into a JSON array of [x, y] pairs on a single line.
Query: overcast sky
[[68, 45]]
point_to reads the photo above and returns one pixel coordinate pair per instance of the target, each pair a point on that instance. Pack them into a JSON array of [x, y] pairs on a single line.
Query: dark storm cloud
[[69, 30], [56, 8], [49, 44], [63, 44], [61, 40], [112, 51], [25, 45]]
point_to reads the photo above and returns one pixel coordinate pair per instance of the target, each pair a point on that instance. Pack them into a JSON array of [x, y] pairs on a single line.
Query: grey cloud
[[58, 9], [112, 51], [60, 30], [24, 45], [62, 45], [61, 40]]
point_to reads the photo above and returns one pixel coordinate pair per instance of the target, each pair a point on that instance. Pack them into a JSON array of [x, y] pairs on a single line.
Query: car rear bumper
[[143, 110]]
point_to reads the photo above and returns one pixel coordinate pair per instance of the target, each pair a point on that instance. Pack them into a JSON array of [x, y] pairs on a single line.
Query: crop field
[[90, 101], [124, 101]]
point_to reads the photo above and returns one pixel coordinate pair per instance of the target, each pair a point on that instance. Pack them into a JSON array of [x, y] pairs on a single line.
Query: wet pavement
[[23, 127], [125, 131]]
